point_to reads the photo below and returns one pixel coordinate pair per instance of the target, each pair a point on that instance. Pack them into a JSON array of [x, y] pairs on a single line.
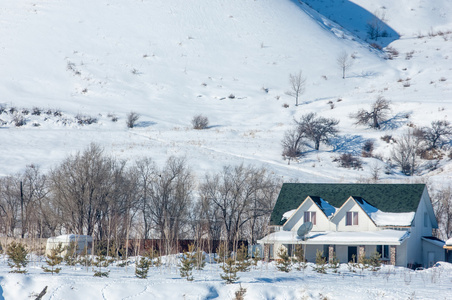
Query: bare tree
[[317, 129], [442, 202], [438, 135], [378, 113], [239, 195], [404, 154], [376, 25], [132, 119], [297, 85], [170, 199], [344, 61], [79, 188], [292, 144]]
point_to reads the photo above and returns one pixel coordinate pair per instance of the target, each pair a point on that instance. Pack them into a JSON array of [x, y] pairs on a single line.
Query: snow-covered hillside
[[170, 60]]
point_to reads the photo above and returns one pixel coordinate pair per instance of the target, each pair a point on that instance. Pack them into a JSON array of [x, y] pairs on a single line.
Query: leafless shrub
[[231, 96], [377, 114], [285, 105], [113, 117], [85, 120], [292, 144], [388, 139], [407, 84], [368, 148], [25, 111], [36, 124], [409, 55], [57, 113], [36, 111], [12, 110], [405, 153], [347, 160], [391, 52], [200, 122], [19, 120], [132, 119], [442, 79], [376, 46]]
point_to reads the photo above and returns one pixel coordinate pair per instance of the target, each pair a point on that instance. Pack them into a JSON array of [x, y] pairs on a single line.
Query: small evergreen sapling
[[101, 262], [256, 257], [243, 264], [200, 260], [375, 262], [299, 258], [320, 262], [229, 271], [187, 263], [142, 267], [334, 263], [17, 257], [54, 259], [70, 258], [283, 263]]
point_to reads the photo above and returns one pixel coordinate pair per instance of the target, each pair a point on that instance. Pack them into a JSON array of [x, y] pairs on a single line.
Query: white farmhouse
[[352, 220]]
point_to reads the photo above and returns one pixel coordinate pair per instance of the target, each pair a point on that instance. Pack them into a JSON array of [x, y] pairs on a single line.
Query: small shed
[[82, 242]]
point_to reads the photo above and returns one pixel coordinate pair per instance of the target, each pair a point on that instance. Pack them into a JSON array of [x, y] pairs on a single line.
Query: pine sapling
[[256, 257], [187, 263], [101, 262], [229, 271], [320, 262], [375, 262], [70, 258], [352, 265], [243, 264], [17, 257], [200, 259], [299, 259], [142, 267], [54, 259], [283, 263], [334, 263]]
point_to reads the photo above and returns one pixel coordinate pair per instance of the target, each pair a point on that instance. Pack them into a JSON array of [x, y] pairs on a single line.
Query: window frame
[[351, 218]]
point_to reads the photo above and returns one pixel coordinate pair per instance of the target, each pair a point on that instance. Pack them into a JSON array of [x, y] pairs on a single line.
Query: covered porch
[[346, 245]]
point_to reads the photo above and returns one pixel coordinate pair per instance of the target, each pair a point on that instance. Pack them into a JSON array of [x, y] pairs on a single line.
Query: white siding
[[322, 222], [364, 221]]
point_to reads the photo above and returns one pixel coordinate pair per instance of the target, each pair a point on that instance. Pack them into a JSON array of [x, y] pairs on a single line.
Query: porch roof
[[381, 237]]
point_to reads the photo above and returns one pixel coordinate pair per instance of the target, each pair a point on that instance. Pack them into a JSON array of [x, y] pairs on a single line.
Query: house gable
[[353, 206], [393, 198], [310, 204]]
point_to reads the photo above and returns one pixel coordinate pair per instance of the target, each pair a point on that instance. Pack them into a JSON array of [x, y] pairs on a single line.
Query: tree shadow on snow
[[396, 121], [276, 279], [145, 124], [353, 18], [348, 144]]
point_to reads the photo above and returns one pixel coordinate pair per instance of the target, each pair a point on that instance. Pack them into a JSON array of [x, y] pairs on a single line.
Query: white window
[[309, 216], [351, 218]]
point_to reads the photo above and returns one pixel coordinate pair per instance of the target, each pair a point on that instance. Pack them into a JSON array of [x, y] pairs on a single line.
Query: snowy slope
[[170, 60]]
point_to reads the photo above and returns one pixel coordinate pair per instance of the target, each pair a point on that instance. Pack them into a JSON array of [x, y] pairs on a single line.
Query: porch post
[[361, 253], [330, 253], [392, 252], [267, 252]]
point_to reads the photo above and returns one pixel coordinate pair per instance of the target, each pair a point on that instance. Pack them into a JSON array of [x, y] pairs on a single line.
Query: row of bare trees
[[94, 194]]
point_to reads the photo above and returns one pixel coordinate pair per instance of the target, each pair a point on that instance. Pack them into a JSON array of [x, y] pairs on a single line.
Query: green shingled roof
[[386, 197]]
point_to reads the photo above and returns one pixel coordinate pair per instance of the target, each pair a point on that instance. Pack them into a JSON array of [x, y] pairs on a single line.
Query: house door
[[352, 250], [431, 259]]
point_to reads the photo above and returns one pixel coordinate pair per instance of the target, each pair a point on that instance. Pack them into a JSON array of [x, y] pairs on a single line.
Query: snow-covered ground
[[262, 282], [230, 61], [171, 60]]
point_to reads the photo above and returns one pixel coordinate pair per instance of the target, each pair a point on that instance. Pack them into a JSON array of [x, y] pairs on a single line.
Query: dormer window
[[351, 218], [309, 216]]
